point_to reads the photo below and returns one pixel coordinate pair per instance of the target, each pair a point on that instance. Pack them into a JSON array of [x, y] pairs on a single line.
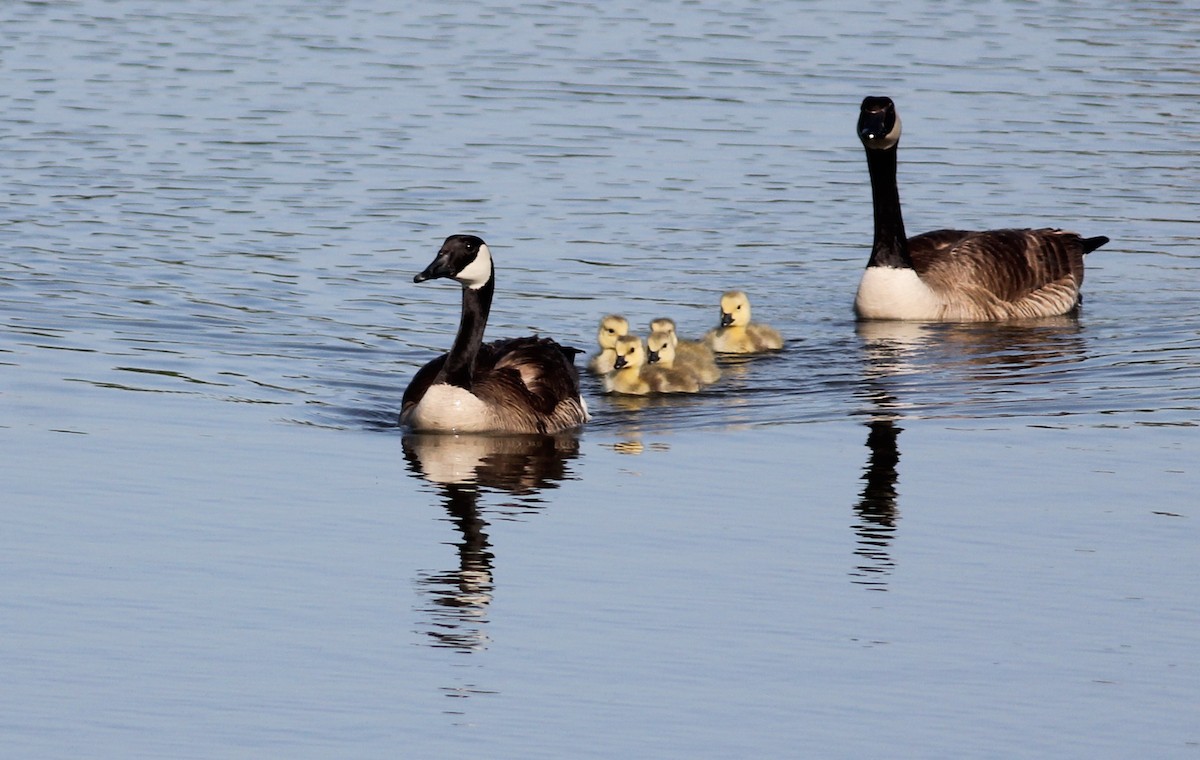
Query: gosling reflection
[[876, 507], [464, 468]]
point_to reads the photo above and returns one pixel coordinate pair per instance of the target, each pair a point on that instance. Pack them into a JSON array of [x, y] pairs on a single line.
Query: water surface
[[914, 540]]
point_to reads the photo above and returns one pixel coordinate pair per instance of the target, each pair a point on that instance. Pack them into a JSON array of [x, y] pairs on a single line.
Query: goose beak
[[439, 267], [726, 319], [878, 123], [872, 125], [651, 357], [619, 362]]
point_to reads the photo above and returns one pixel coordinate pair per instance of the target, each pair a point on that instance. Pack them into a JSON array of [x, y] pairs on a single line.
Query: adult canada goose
[[633, 376], [956, 275], [663, 352], [611, 327], [692, 353], [737, 334], [518, 385]]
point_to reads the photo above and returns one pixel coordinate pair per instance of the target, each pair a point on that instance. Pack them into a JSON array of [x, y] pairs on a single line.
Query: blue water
[[908, 541]]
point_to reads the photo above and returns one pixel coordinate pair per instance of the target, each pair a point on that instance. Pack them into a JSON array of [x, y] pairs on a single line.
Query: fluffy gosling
[[693, 354], [612, 327], [662, 355], [633, 376], [737, 334]]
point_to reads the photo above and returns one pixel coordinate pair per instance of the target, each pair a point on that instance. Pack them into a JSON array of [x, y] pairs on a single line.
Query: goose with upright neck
[[957, 275], [515, 385]]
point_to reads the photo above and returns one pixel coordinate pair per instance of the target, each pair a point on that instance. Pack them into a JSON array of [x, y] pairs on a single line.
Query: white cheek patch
[[476, 274], [893, 137]]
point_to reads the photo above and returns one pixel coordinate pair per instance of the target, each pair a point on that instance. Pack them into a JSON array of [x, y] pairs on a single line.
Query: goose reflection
[[887, 348], [989, 358], [944, 371], [876, 508], [464, 468]]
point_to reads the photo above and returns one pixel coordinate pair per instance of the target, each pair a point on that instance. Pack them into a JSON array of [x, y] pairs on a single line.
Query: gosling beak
[[651, 357], [619, 362], [726, 319]]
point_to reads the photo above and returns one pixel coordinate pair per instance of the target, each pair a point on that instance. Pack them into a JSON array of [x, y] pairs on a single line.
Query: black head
[[465, 258], [878, 123]]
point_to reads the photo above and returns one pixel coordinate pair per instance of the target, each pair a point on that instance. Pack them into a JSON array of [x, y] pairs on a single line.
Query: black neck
[[890, 248], [460, 363]]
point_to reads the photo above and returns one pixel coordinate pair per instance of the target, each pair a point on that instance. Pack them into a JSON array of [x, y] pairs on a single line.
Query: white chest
[[891, 293], [448, 408]]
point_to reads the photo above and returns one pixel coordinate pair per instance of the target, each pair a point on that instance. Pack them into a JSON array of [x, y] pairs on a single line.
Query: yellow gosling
[[737, 334], [661, 355], [693, 354], [612, 327], [626, 375], [632, 376]]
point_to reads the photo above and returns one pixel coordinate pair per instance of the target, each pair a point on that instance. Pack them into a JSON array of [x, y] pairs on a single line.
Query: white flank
[[476, 274], [448, 408], [894, 293]]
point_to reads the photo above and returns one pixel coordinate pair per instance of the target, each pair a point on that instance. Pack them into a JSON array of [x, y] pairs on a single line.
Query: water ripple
[[226, 210]]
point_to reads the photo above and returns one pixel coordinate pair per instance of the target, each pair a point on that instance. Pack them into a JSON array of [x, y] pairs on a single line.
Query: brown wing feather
[[928, 246], [1003, 273], [545, 370], [536, 380]]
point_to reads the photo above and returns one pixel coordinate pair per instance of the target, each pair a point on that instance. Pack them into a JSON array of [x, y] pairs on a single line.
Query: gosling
[[661, 354], [632, 376], [736, 333], [693, 354], [612, 327]]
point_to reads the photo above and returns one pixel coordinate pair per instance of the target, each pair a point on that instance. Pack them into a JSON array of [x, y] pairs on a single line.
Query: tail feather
[[1092, 243]]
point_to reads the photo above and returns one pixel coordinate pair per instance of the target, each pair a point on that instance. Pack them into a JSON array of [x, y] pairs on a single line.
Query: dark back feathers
[[1008, 264]]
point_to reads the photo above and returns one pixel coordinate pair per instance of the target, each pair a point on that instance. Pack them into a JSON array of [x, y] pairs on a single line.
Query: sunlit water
[[922, 540]]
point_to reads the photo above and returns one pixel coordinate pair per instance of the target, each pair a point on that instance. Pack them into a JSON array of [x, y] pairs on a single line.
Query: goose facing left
[[957, 275], [515, 385]]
